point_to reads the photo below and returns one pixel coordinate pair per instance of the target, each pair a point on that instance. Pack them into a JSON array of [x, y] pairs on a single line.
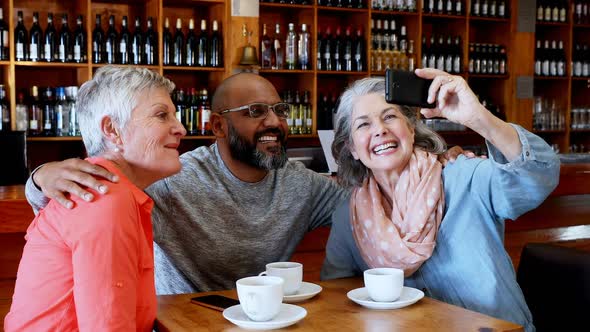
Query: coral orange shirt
[[90, 268]]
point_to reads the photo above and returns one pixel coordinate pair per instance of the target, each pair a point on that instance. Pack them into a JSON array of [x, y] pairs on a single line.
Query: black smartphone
[[405, 88], [215, 302]]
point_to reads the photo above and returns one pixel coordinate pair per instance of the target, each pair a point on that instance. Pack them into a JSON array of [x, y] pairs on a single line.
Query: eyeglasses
[[260, 110]]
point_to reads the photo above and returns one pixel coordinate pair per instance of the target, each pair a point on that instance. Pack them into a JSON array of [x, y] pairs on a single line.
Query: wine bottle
[[151, 43], [97, 42], [79, 47], [124, 42], [265, 49], [65, 41], [35, 113], [137, 43], [4, 53], [203, 46], [20, 39], [191, 44], [112, 42], [49, 43], [178, 44], [216, 46], [168, 54], [36, 34]]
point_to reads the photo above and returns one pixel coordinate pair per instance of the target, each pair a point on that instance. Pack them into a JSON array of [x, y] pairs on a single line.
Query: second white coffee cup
[[384, 284], [291, 272], [260, 296]]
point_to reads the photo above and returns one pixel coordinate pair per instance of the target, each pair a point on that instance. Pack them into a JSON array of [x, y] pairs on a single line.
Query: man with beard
[[235, 206]]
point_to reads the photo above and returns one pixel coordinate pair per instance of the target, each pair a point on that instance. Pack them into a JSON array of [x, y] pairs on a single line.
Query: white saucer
[[409, 296], [289, 315], [306, 291]]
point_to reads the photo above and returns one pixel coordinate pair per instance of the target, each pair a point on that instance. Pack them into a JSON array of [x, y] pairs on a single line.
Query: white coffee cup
[[291, 272], [260, 296], [384, 284]]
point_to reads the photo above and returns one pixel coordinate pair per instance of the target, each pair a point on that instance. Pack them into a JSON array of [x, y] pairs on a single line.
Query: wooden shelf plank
[[179, 68], [98, 65], [489, 19], [444, 16], [284, 6], [50, 64], [285, 71], [343, 73], [341, 9]]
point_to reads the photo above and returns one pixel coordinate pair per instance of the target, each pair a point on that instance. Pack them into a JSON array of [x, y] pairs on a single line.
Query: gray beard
[[240, 149]]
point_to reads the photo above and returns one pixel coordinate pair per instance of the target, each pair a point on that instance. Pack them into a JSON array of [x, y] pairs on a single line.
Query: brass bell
[[249, 54]]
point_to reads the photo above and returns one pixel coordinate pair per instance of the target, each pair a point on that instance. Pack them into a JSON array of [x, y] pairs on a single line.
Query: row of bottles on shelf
[[193, 110], [440, 55], [581, 12], [488, 59], [395, 5], [295, 55], [547, 114], [46, 111], [581, 61], [580, 118], [49, 45], [489, 8], [552, 10], [204, 50], [340, 3], [448, 7], [122, 47], [384, 35], [336, 52], [300, 119], [439, 124], [550, 61]]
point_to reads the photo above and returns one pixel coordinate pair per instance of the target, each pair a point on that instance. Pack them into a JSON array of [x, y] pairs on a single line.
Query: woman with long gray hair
[[443, 227], [90, 266]]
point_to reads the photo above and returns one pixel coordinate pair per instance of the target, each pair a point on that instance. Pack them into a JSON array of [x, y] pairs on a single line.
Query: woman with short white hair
[[443, 227], [90, 266]]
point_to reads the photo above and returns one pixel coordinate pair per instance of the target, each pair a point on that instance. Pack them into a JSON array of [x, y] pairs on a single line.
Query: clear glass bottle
[[62, 113], [35, 113], [71, 95], [22, 122], [291, 47]]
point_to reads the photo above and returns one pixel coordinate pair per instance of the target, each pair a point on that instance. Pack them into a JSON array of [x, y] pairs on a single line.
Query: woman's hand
[[454, 99], [456, 102]]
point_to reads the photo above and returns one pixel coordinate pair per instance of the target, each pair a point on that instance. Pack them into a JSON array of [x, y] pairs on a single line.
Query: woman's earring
[[117, 150]]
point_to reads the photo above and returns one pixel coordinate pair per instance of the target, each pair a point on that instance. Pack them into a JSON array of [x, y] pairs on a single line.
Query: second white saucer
[[289, 315], [306, 291], [409, 296]]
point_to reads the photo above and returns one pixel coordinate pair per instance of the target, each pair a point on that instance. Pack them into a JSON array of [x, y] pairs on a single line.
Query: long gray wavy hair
[[352, 172]]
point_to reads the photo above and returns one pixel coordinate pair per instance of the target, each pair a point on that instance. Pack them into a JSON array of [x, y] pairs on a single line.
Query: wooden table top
[[331, 310]]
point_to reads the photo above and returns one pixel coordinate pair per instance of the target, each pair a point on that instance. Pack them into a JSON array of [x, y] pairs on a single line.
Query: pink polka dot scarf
[[400, 234]]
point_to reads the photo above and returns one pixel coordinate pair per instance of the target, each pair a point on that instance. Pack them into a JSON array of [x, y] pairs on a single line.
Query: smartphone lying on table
[[406, 88], [215, 302]]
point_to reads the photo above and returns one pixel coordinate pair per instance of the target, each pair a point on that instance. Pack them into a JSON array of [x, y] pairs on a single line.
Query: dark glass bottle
[[4, 53], [36, 35], [137, 44], [216, 46], [48, 106], [151, 44], [20, 39], [112, 42], [178, 44], [191, 44], [347, 60], [124, 43], [65, 41], [98, 55], [338, 51], [79, 47], [192, 125], [4, 111], [358, 63], [328, 46], [203, 46], [205, 113], [168, 44], [50, 41]]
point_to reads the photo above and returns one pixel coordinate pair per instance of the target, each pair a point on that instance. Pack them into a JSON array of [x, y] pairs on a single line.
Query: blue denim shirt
[[469, 266]]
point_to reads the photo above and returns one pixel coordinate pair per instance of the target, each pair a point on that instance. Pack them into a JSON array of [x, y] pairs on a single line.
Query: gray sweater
[[211, 229]]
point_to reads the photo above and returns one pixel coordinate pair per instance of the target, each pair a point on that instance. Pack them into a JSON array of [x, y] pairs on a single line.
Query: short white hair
[[114, 92]]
